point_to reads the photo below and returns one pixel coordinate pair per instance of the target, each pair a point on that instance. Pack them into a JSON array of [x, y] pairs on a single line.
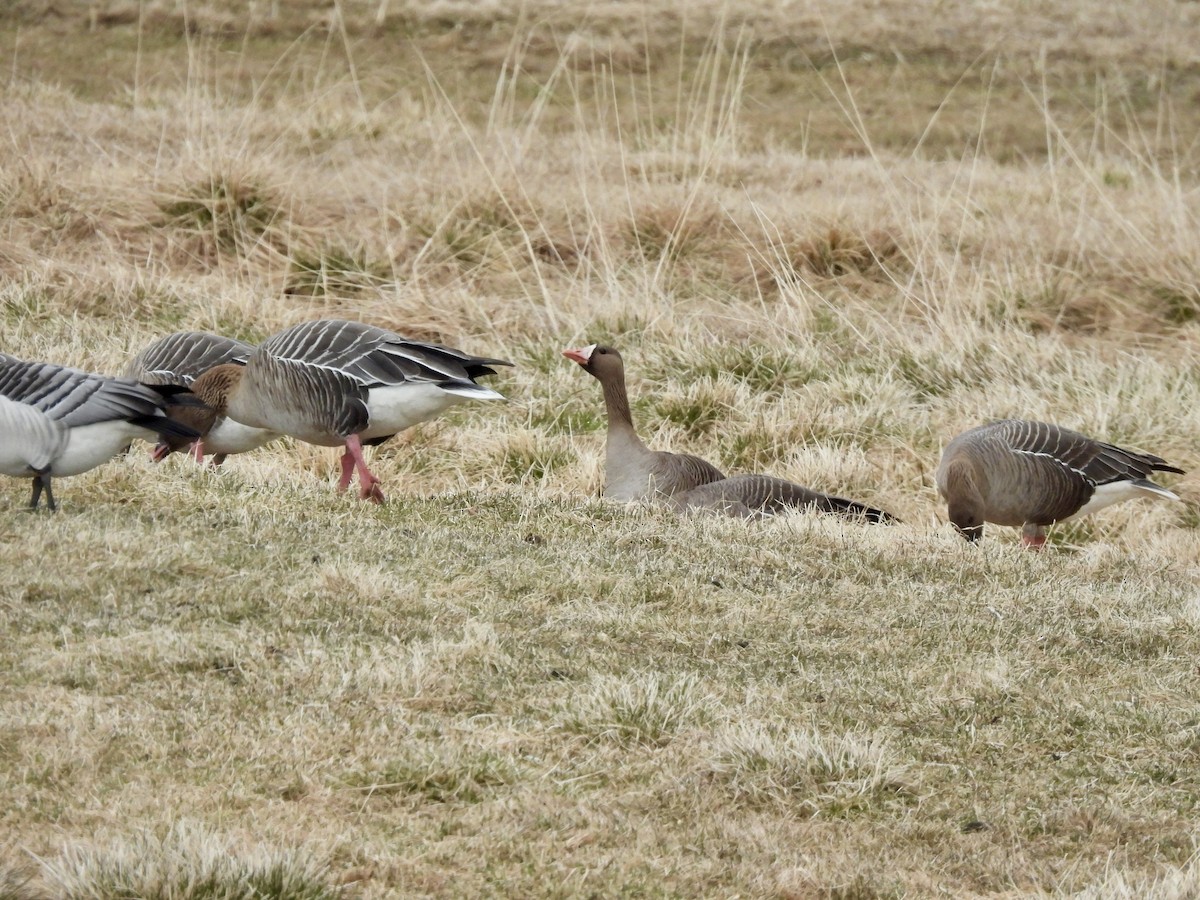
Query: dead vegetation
[[824, 243]]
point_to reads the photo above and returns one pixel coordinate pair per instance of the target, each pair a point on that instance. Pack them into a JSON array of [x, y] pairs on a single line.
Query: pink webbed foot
[[353, 459], [369, 490]]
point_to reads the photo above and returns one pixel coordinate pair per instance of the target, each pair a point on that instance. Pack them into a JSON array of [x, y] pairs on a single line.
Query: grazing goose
[[1031, 474], [30, 441], [179, 359], [334, 382], [635, 472], [101, 415]]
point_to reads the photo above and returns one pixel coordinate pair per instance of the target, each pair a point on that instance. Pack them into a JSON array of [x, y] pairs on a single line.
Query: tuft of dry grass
[[825, 240], [186, 862]]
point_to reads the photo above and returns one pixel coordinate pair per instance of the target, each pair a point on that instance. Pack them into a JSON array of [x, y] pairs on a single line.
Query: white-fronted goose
[[758, 496], [179, 359], [30, 442], [635, 472], [334, 382], [101, 414], [632, 471], [1031, 474]]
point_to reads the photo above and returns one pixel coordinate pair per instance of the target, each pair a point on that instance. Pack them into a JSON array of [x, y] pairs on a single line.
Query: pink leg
[[160, 452], [198, 451], [347, 469], [1033, 537], [368, 484]]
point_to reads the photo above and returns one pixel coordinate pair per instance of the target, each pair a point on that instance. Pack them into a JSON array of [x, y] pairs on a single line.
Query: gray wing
[[40, 438], [182, 357], [761, 495], [373, 356], [673, 473], [1093, 461], [74, 397], [321, 395]]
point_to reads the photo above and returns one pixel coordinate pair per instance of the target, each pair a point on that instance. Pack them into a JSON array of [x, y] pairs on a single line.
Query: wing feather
[[182, 357], [1093, 461], [75, 397], [373, 356]]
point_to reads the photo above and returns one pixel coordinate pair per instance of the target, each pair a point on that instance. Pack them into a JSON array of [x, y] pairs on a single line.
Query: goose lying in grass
[[338, 383], [758, 496], [98, 416], [179, 359], [1031, 474], [632, 471]]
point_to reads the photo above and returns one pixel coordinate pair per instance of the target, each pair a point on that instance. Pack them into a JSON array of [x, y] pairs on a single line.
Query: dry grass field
[[826, 237]]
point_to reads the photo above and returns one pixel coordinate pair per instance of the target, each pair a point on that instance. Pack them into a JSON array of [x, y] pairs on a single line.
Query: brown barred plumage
[[1033, 474]]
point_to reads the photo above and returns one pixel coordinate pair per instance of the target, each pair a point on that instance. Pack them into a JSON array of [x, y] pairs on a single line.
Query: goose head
[[200, 418], [958, 481], [599, 361], [968, 519]]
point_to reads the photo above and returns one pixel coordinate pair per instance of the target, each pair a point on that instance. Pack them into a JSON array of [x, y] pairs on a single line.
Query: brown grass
[[825, 238]]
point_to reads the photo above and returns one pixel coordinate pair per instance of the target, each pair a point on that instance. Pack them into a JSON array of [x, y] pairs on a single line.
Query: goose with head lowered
[[100, 415], [335, 383], [179, 359], [635, 472], [1033, 474]]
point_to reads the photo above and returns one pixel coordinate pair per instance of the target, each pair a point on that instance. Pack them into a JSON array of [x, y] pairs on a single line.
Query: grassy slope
[[498, 682]]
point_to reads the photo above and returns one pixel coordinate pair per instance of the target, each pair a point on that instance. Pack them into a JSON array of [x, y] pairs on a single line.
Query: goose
[[635, 472], [30, 442], [1033, 474], [179, 359], [334, 382], [101, 415], [632, 471]]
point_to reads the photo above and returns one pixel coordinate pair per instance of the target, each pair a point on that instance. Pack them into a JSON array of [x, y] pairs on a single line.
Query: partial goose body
[[179, 359], [30, 442], [334, 382], [758, 496], [634, 472], [183, 356], [102, 414], [1033, 474]]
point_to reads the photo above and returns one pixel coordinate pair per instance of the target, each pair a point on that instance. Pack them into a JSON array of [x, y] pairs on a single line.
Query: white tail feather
[[1108, 494]]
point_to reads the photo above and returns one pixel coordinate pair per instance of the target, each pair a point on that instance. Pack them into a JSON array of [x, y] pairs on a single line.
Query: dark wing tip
[[871, 514], [1164, 467], [852, 509], [167, 427]]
